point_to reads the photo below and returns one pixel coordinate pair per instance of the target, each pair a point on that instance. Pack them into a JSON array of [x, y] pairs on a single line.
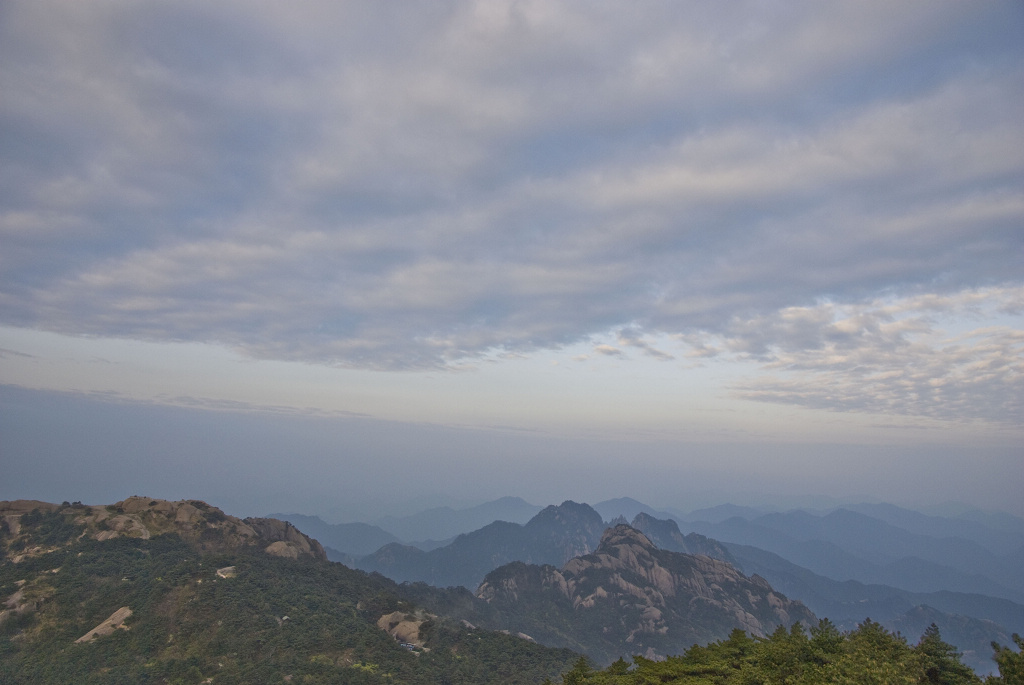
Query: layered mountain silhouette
[[833, 561], [444, 523], [846, 545], [555, 535], [341, 539]]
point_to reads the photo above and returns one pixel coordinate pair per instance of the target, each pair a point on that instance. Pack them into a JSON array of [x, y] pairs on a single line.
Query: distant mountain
[[880, 542], [968, 621], [664, 533], [441, 523], [845, 545], [627, 508], [179, 592], [972, 637], [848, 602], [997, 533], [554, 535], [722, 512], [628, 596], [998, 520], [355, 539]]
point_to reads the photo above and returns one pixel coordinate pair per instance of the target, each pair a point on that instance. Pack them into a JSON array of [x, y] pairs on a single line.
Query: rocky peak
[[568, 512], [644, 596], [201, 524], [559, 533], [666, 535], [623, 535]]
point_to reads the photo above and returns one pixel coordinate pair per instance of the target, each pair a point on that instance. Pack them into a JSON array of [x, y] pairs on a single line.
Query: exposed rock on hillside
[[159, 591], [630, 593], [405, 627], [114, 622], [203, 525]]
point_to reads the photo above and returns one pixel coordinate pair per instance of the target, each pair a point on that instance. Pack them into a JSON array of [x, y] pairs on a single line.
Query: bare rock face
[[287, 540], [404, 627], [114, 622], [633, 597], [203, 525]]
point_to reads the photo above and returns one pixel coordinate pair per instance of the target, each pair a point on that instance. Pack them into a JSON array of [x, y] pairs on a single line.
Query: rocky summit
[[203, 525], [630, 595]]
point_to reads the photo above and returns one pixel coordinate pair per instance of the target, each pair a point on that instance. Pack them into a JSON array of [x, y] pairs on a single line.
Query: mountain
[[847, 602], [207, 527], [720, 513], [973, 638], [968, 621], [629, 596], [664, 533], [179, 592], [883, 543], [354, 539], [996, 539], [844, 545], [628, 508], [441, 523], [554, 535]]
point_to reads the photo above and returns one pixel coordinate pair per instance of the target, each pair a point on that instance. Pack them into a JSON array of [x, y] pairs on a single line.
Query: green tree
[[1010, 663], [579, 673], [941, 662]]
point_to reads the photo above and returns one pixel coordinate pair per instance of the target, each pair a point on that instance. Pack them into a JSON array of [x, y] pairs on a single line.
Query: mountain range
[[553, 536], [849, 563], [444, 523], [846, 545], [187, 589], [150, 589]]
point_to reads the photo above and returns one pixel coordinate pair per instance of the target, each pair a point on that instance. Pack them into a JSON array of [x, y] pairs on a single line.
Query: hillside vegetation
[[210, 602]]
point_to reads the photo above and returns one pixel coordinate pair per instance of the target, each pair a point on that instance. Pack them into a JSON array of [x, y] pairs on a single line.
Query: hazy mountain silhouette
[[442, 523], [353, 539], [552, 536]]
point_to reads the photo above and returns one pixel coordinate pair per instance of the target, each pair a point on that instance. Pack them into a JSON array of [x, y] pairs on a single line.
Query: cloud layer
[[414, 186]]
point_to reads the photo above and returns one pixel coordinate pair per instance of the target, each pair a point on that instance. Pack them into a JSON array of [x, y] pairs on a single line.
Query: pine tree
[[941, 662]]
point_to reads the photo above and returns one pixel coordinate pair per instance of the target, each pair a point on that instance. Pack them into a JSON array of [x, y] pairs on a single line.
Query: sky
[[354, 258]]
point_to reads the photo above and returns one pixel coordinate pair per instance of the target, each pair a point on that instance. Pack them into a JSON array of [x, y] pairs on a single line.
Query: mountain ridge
[[628, 592], [554, 535], [178, 592]]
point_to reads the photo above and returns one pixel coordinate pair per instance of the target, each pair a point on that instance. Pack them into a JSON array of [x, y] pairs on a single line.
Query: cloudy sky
[[552, 249]]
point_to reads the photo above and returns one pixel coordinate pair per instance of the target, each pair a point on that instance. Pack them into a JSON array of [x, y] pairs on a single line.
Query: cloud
[[353, 185], [632, 338], [890, 358], [14, 353], [608, 350]]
